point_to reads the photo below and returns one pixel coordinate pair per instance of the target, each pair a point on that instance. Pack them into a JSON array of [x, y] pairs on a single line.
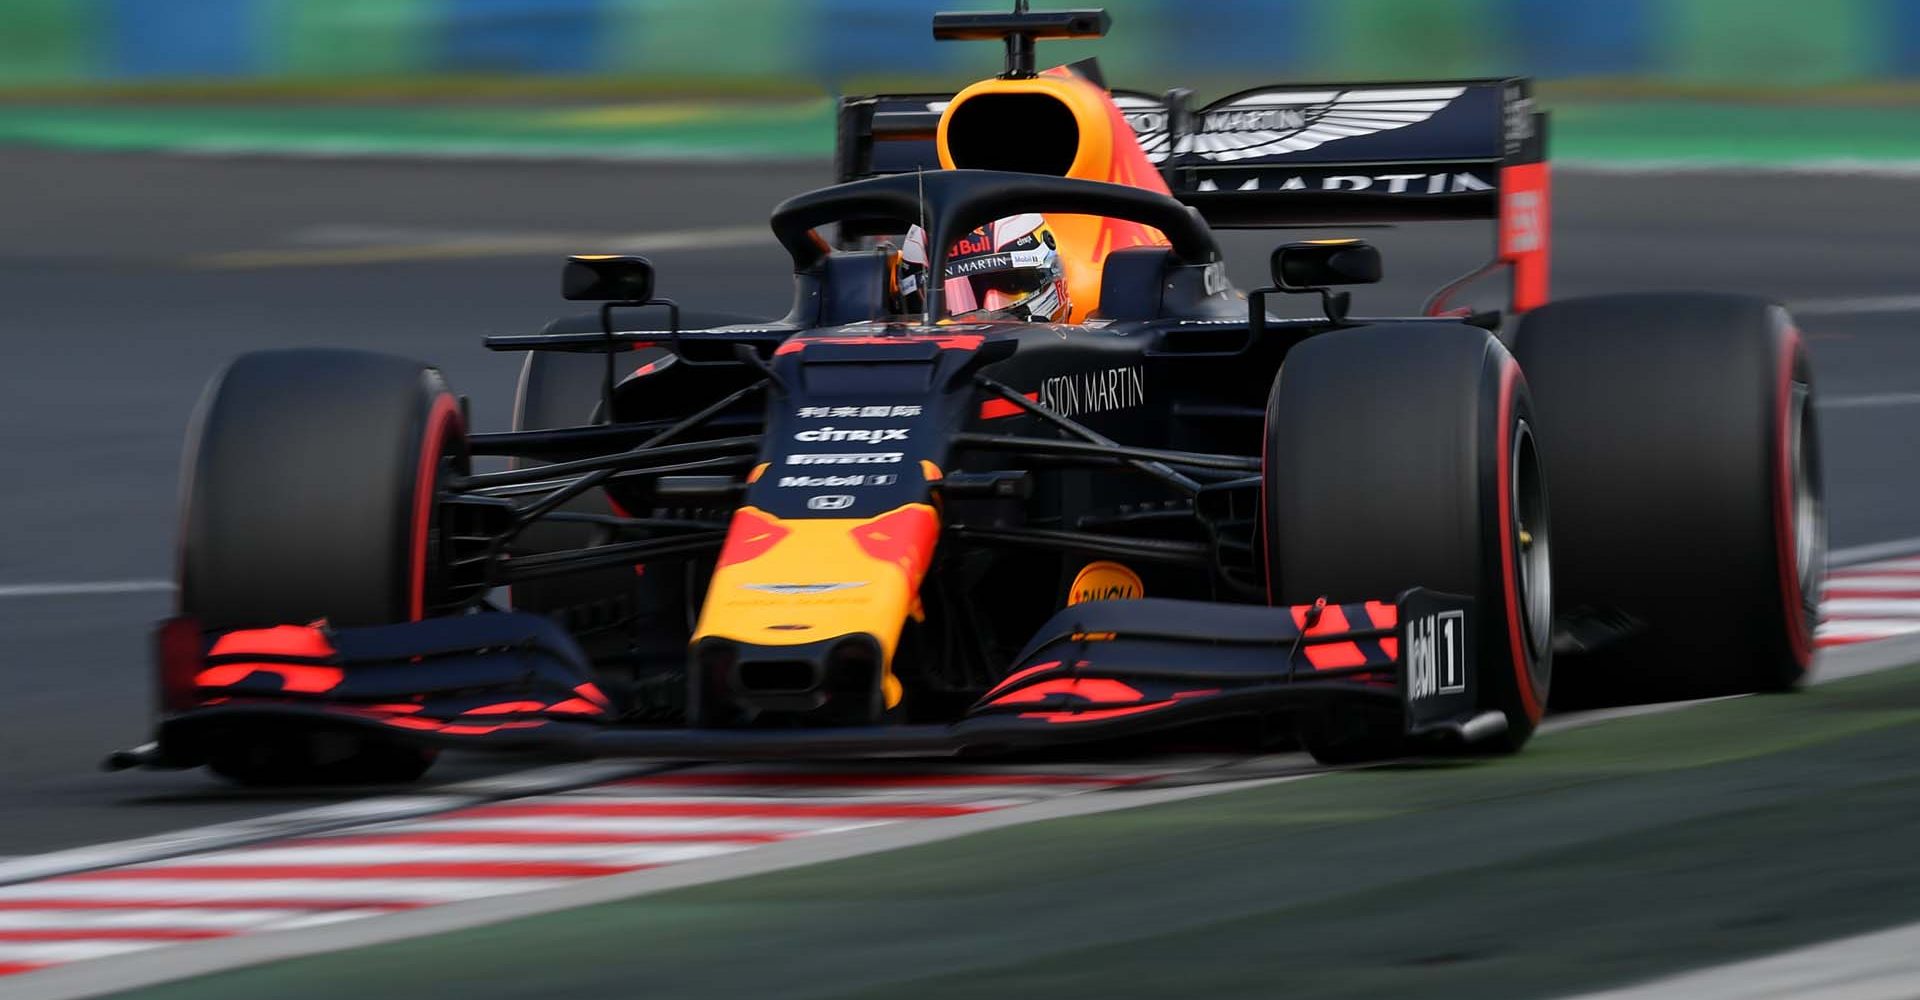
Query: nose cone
[[800, 610]]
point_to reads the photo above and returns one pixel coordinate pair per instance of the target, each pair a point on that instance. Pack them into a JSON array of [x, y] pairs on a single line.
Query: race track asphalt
[[126, 280]]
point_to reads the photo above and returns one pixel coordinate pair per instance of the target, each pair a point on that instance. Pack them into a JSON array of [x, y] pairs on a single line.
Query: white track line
[[369, 891], [349, 857], [71, 951], [1869, 401], [1855, 305], [86, 588], [1891, 552], [715, 828], [1884, 965], [443, 246], [1890, 583], [1863, 607], [153, 917], [1842, 166]]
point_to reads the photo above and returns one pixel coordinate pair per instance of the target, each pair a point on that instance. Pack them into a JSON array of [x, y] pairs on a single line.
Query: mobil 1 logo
[[1436, 654]]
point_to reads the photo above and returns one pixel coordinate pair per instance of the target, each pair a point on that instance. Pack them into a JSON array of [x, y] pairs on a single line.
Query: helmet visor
[[1003, 269], [994, 291]]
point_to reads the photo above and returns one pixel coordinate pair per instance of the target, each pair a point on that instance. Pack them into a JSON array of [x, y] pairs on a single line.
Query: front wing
[[1096, 671]]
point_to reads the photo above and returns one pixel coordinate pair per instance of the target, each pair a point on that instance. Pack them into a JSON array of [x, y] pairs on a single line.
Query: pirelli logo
[[848, 458]]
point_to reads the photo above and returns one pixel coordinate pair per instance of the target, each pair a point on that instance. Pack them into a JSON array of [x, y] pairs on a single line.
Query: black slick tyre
[[308, 494], [1403, 455], [1680, 429]]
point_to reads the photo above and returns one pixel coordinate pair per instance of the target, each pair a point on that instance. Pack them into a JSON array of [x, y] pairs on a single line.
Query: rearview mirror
[[1300, 267], [607, 278]]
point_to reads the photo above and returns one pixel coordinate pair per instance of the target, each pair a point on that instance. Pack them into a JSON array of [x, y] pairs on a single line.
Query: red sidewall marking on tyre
[[1784, 514], [445, 414], [1509, 570]]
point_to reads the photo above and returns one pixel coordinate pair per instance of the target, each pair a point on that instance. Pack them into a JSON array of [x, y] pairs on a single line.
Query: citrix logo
[[875, 436]]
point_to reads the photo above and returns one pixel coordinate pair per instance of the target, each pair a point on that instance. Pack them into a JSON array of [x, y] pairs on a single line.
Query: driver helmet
[[1007, 269]]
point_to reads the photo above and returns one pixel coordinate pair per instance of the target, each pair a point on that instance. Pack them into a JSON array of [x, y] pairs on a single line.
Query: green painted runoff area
[[1659, 132], [663, 130], [1600, 855]]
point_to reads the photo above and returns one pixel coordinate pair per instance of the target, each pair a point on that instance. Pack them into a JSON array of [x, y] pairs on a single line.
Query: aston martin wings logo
[[1271, 124], [1277, 122], [1148, 118]]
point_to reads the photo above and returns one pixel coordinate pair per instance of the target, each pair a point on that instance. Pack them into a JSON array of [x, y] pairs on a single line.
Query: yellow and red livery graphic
[[782, 582]]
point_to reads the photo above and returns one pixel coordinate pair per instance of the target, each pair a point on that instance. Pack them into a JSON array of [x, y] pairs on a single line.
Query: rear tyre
[[1686, 475], [310, 479], [1403, 455]]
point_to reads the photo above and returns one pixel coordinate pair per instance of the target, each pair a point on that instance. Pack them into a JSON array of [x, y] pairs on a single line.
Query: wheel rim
[[1809, 522], [1533, 543]]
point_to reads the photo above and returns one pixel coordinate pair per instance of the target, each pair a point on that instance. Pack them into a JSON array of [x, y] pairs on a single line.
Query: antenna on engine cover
[[1019, 30]]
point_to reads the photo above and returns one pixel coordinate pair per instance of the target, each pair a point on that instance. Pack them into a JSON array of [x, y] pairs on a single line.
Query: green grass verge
[[1739, 134], [1722, 133], [650, 129], [1600, 855]]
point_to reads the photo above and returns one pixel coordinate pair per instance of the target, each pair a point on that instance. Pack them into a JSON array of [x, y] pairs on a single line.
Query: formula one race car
[[865, 531]]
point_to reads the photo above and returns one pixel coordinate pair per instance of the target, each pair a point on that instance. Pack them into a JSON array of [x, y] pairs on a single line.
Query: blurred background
[[761, 64], [785, 44]]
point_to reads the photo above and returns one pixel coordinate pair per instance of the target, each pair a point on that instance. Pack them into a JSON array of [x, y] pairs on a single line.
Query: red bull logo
[[973, 243]]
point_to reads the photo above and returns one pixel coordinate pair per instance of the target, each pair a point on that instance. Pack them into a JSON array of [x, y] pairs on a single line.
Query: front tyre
[[1404, 455], [309, 484]]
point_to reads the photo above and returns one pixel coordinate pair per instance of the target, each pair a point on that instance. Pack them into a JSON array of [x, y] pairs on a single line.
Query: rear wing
[[1305, 155], [887, 134]]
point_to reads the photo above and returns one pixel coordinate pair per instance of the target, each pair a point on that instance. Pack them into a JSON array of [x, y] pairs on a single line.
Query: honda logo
[[830, 501]]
